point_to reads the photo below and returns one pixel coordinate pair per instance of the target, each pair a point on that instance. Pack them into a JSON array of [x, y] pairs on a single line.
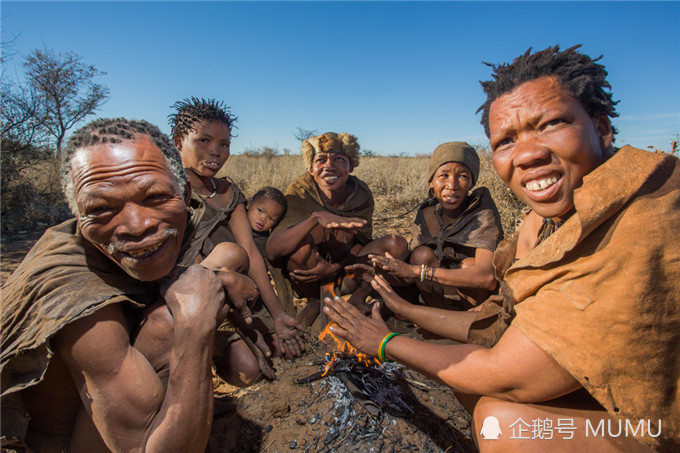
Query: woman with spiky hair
[[202, 132]]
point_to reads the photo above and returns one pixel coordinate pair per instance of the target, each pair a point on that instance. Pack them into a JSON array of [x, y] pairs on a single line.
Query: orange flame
[[340, 347]]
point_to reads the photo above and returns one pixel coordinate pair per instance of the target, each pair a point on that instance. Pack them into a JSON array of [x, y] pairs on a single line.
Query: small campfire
[[338, 400], [369, 398], [342, 349]]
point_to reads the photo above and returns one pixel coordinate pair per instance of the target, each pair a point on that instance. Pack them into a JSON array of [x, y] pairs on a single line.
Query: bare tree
[[30, 187], [22, 123], [303, 134], [22, 118], [66, 89]]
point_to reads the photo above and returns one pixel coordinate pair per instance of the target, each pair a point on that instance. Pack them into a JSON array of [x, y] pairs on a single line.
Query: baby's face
[[263, 214]]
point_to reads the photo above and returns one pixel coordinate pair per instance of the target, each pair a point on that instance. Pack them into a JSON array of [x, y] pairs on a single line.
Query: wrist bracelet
[[383, 343], [422, 272], [431, 276]]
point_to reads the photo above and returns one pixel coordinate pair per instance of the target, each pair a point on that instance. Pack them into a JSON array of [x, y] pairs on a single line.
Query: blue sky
[[402, 76]]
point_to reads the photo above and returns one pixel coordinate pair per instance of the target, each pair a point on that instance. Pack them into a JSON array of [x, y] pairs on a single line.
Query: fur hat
[[330, 141], [459, 152]]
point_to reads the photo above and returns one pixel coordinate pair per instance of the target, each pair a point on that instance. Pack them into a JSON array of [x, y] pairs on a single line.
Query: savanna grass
[[398, 184]]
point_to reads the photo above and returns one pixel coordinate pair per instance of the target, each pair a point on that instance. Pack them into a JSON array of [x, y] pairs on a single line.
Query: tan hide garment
[[303, 198], [479, 226], [602, 296]]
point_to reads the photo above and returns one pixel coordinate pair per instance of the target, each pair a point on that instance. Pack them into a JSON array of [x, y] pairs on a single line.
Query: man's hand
[[195, 293], [321, 270], [366, 271], [396, 266], [287, 329], [363, 333], [241, 291], [328, 220]]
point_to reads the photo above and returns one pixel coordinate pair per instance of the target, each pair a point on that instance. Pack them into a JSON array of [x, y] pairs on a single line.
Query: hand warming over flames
[[362, 332]]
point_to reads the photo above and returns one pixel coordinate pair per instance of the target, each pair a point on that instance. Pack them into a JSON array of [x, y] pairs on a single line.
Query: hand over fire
[[362, 332], [396, 266]]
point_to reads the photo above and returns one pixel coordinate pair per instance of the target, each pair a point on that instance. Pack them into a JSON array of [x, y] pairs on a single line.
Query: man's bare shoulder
[[100, 340]]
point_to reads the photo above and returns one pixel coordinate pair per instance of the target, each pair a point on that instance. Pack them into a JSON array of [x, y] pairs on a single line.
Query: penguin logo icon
[[491, 429]]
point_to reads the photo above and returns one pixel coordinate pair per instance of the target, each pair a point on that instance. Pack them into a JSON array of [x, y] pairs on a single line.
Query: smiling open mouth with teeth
[[541, 184], [142, 252]]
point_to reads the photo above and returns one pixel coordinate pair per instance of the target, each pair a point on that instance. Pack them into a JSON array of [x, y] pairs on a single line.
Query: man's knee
[[395, 244], [423, 255], [228, 255], [304, 256], [154, 338], [238, 365], [490, 420], [156, 323]]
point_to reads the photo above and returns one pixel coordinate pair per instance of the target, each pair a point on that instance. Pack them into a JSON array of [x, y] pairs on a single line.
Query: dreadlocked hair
[[273, 194], [116, 130], [193, 111], [577, 73]]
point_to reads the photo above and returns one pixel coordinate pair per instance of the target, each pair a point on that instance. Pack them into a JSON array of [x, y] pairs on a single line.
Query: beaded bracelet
[[383, 343]]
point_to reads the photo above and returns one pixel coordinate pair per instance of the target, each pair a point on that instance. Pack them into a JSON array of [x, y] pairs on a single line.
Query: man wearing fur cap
[[327, 226]]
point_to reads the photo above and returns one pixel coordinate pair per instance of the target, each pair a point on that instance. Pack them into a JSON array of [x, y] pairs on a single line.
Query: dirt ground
[[376, 409]]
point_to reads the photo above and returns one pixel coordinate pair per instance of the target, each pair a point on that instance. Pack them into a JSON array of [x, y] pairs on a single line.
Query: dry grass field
[[34, 202], [399, 184]]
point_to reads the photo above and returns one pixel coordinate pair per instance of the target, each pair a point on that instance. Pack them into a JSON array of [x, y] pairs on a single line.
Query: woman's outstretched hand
[[394, 265], [392, 300]]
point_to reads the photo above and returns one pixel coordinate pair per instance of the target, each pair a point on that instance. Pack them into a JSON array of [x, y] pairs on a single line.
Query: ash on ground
[[386, 408]]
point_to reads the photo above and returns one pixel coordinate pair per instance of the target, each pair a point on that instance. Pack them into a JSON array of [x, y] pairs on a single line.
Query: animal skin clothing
[[601, 294]]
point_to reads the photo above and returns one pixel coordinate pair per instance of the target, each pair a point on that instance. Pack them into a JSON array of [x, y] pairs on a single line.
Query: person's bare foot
[[309, 313], [359, 302]]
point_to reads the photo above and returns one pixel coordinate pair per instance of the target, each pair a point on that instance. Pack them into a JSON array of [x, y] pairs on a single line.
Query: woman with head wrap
[[454, 235], [327, 226]]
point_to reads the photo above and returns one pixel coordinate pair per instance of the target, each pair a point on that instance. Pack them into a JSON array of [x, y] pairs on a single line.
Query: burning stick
[[311, 378]]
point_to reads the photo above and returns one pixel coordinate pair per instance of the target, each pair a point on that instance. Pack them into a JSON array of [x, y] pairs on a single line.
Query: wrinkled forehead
[[330, 154], [452, 165], [110, 160]]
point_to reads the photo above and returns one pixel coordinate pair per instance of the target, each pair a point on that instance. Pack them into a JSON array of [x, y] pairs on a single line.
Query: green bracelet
[[383, 343]]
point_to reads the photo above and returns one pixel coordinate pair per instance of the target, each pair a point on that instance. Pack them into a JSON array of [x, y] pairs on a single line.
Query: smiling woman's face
[[330, 170], [206, 149], [451, 183], [544, 143]]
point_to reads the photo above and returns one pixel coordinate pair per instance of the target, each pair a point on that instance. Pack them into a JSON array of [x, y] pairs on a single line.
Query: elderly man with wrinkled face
[[96, 354], [582, 352]]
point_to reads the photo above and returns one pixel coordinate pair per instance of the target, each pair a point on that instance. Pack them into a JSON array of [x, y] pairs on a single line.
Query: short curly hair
[[576, 72], [273, 194], [192, 112], [116, 130]]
